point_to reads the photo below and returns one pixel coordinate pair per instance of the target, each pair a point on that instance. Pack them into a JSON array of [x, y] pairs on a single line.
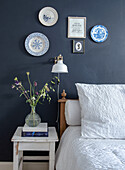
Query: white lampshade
[[59, 67]]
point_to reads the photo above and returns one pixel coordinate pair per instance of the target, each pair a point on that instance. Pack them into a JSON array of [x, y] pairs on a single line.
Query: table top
[[52, 137]]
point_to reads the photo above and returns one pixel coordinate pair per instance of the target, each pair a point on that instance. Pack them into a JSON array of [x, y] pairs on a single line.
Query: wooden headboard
[[62, 102]]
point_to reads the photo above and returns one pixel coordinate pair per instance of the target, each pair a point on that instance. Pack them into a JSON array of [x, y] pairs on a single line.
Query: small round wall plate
[[37, 44], [48, 16], [99, 33]]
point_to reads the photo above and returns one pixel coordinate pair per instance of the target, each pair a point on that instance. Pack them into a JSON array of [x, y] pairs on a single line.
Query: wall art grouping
[[37, 44], [77, 29]]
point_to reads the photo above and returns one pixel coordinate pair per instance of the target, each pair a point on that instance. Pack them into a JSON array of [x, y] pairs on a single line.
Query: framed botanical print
[[76, 27], [79, 46]]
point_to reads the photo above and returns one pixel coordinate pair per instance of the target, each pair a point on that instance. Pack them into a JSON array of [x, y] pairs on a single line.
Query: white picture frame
[[76, 27]]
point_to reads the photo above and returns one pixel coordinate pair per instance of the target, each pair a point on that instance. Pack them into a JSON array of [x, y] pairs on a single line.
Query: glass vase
[[33, 119]]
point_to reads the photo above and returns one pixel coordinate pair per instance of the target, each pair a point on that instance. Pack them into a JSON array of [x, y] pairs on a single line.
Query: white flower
[[33, 98]]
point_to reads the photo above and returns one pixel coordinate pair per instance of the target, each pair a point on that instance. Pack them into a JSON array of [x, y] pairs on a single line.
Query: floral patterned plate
[[99, 33], [48, 16], [37, 44]]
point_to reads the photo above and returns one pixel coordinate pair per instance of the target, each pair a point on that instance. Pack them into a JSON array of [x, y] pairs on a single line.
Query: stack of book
[[40, 131]]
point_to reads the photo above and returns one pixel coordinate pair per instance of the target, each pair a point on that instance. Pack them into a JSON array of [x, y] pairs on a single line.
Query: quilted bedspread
[[76, 153]]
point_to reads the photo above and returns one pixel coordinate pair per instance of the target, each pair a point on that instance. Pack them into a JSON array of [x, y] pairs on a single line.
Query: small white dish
[[48, 16], [37, 44]]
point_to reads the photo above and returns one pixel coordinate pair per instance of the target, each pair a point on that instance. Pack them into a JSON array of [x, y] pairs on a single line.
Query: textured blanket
[[76, 153]]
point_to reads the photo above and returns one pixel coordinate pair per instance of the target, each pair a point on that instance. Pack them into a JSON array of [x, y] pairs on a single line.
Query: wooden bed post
[[62, 113]]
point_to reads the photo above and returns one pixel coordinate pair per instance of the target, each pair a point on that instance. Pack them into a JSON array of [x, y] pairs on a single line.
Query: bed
[[77, 152]]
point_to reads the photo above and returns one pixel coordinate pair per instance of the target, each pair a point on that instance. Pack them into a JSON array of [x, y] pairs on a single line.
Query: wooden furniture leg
[[52, 156], [15, 156], [20, 160]]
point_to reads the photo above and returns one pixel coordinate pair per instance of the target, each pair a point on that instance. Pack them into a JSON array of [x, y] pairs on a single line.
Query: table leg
[[52, 156], [20, 160], [15, 156]]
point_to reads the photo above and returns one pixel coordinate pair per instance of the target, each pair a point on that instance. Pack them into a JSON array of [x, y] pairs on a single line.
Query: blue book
[[34, 134]]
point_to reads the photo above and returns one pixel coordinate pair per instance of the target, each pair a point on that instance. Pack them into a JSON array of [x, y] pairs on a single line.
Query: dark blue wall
[[101, 63]]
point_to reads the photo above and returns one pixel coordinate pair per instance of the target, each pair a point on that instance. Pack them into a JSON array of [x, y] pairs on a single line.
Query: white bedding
[[76, 153]]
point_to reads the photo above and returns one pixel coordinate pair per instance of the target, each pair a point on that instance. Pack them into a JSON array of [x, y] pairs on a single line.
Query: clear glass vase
[[33, 119]]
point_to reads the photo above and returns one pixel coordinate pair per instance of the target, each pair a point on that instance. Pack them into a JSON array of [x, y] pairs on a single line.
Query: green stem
[[33, 113], [24, 91], [30, 86], [33, 89], [42, 92], [24, 94]]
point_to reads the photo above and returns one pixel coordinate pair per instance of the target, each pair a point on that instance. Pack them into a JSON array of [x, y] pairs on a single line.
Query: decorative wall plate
[[37, 44], [48, 16], [99, 33]]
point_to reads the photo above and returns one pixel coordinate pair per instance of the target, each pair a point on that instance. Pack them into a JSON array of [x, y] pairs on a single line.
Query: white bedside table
[[21, 144]]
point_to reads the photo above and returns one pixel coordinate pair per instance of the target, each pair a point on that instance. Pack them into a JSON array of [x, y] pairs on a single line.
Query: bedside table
[[21, 144]]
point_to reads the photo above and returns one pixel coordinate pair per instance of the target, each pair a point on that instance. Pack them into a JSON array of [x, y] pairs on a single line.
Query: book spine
[[34, 134]]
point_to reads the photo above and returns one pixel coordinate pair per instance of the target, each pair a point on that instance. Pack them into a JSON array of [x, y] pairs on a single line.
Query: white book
[[42, 127]]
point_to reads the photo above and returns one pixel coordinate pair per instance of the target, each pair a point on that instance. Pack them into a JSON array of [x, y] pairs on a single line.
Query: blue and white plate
[[99, 33], [37, 44], [48, 16]]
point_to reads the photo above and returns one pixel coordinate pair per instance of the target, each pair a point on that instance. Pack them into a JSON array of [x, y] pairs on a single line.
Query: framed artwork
[[79, 46], [76, 27]]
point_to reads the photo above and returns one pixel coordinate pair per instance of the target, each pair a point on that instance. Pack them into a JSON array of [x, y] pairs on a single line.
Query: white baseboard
[[26, 166]]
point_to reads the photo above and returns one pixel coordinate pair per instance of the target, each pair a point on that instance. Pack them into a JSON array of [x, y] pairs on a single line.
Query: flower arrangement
[[33, 96]]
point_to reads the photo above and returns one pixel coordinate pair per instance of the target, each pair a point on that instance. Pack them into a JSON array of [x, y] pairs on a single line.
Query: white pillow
[[102, 110], [73, 112]]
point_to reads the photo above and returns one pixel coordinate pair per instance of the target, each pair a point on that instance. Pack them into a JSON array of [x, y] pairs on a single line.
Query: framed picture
[[76, 27], [79, 46]]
